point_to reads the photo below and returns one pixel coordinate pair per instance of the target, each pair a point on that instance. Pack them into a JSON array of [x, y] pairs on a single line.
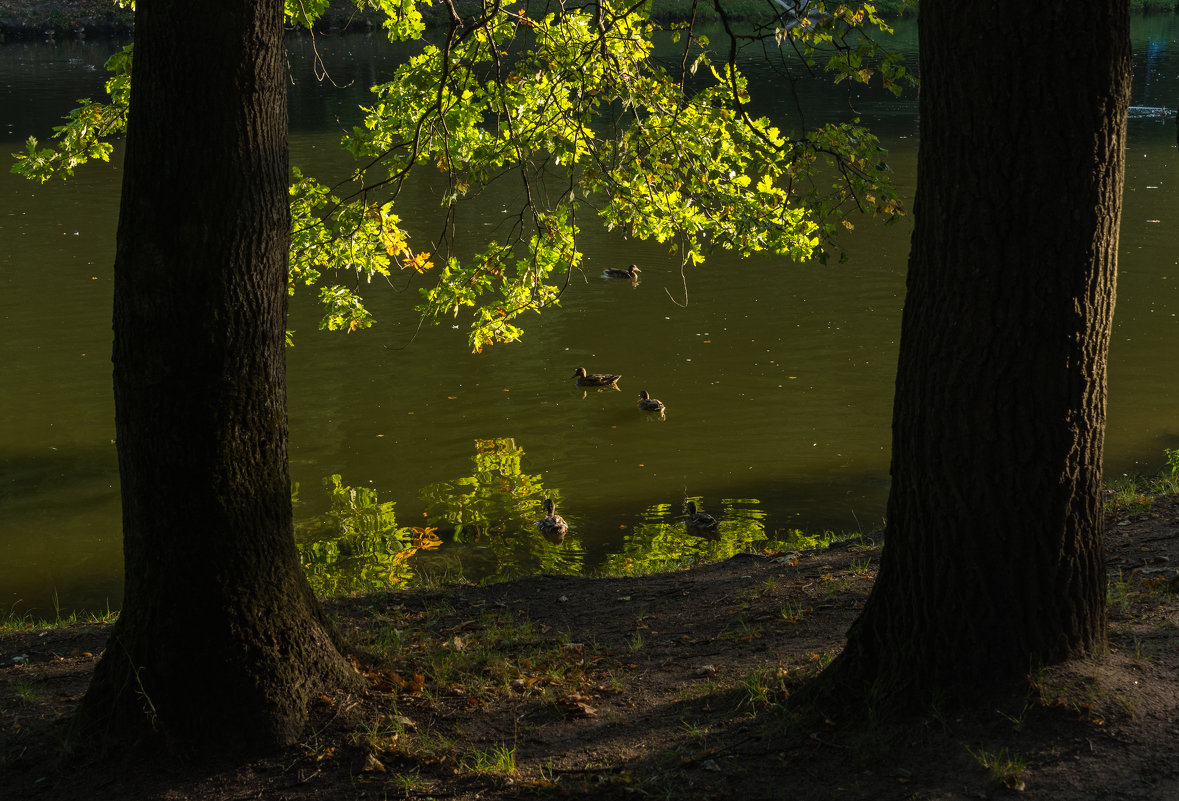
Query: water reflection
[[356, 545], [477, 527], [663, 538], [487, 526]]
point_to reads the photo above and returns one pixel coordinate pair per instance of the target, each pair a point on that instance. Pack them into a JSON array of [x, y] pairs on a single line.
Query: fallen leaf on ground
[[578, 702]]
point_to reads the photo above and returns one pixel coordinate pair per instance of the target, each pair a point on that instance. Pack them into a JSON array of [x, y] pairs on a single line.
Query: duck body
[[552, 525], [649, 404], [700, 520], [585, 379], [631, 273]]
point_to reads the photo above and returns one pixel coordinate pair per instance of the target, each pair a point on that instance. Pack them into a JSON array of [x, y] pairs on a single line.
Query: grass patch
[[13, 622], [1130, 495], [1117, 594], [765, 687], [859, 567], [743, 633], [794, 611], [494, 655], [25, 692], [499, 760], [1006, 767], [695, 731], [836, 586], [1124, 595]]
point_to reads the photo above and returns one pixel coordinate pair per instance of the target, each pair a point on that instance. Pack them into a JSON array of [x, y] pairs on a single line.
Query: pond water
[[411, 456]]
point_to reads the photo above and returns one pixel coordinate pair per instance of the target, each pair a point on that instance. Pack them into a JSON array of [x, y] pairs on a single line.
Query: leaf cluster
[[565, 113], [573, 112], [87, 130]]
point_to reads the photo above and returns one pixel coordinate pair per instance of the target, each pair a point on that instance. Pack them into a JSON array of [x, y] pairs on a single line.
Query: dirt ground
[[664, 686]]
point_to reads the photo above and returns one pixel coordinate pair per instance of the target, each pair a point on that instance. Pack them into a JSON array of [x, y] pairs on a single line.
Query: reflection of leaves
[[662, 538], [496, 507], [483, 526], [425, 537], [497, 498], [355, 546]]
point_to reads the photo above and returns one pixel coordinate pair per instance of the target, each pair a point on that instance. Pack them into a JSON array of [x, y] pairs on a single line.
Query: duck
[[585, 379], [700, 520], [649, 404], [631, 273], [552, 525]]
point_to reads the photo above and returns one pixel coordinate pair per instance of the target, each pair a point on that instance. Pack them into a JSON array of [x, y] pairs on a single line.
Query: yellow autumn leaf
[[421, 262]]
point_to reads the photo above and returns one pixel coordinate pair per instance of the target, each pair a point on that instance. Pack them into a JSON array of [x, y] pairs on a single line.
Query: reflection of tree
[[356, 545], [661, 538], [496, 508], [480, 527], [497, 499]]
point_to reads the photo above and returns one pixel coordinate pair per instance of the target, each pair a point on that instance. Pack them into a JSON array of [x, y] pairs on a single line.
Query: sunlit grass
[[500, 760], [793, 611], [763, 687], [1129, 495], [1006, 768], [859, 567], [27, 621]]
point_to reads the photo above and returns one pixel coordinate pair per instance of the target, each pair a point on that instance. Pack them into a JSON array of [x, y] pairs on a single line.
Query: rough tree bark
[[220, 644], [992, 563]]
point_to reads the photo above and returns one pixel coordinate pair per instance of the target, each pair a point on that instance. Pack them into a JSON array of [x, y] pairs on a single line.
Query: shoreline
[[52, 20], [670, 685]]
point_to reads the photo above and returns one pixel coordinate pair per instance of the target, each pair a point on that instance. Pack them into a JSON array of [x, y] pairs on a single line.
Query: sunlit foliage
[[568, 114], [87, 131]]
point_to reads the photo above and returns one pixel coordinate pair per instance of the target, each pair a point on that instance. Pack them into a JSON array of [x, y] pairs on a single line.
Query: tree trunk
[[220, 644], [992, 563]]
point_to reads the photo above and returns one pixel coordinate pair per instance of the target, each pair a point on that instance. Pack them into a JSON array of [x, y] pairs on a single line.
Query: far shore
[[52, 20]]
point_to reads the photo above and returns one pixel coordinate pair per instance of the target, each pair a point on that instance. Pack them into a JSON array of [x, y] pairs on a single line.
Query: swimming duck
[[649, 404], [699, 520], [552, 526], [585, 379], [631, 273]]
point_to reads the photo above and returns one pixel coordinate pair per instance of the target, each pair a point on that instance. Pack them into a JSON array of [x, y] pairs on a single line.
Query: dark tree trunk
[[220, 644], [992, 562]]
